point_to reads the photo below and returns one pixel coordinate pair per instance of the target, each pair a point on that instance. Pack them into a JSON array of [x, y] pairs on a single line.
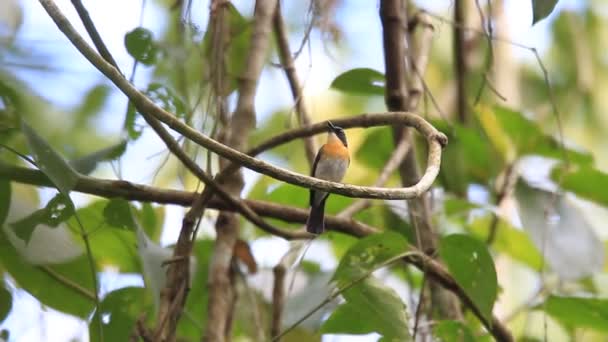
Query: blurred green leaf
[[289, 194], [88, 163], [453, 331], [50, 162], [470, 157], [578, 312], [541, 9], [141, 46], [369, 253], [133, 130], [120, 310], [65, 287], [196, 303], [454, 206], [110, 245], [508, 239], [584, 181], [118, 213], [376, 148], [57, 210], [528, 138], [166, 98], [370, 307], [92, 103], [152, 220], [5, 199], [361, 81], [6, 302], [470, 263], [237, 45]]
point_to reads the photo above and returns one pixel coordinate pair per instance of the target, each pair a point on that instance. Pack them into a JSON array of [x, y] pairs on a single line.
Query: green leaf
[[67, 287], [541, 9], [166, 98], [152, 220], [471, 265], [370, 307], [471, 158], [57, 210], [530, 139], [578, 312], [361, 81], [133, 130], [93, 102], [369, 254], [196, 303], [120, 310], [118, 214], [88, 163], [585, 181], [110, 245], [453, 331], [50, 162], [6, 303], [5, 199], [237, 45], [141, 46], [376, 148]]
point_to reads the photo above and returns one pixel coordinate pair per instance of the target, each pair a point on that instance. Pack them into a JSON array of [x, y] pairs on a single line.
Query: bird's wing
[[312, 173]]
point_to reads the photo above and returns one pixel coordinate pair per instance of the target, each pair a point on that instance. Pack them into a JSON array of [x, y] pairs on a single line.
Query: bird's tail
[[316, 219]]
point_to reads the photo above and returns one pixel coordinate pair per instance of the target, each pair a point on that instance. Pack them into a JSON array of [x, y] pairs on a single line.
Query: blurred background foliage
[[540, 243]]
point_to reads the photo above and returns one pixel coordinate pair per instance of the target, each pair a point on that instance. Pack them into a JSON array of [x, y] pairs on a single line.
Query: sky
[[72, 77]]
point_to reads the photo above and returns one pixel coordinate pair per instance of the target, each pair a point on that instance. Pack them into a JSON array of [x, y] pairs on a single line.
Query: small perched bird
[[330, 164]]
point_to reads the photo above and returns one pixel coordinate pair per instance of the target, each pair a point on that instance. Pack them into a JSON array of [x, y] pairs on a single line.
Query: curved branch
[[145, 106]]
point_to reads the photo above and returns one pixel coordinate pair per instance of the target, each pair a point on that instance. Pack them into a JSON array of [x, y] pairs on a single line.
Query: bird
[[330, 164]]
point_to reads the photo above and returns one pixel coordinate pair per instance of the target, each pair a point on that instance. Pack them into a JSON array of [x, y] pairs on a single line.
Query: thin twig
[[460, 63], [89, 252], [68, 282], [93, 33], [288, 66]]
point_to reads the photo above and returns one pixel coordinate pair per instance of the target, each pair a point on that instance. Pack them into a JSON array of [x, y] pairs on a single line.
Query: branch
[[392, 16], [434, 138], [440, 274], [93, 33], [391, 165], [221, 290], [287, 63], [460, 63], [278, 301], [144, 193]]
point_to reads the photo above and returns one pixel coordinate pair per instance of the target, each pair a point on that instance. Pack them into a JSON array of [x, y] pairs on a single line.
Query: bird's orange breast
[[335, 149]]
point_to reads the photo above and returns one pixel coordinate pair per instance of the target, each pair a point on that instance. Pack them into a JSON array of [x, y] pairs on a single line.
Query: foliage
[[544, 141]]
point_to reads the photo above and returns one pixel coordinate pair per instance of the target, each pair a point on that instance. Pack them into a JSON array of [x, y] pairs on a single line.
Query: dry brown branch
[[287, 63], [278, 300], [222, 294], [393, 18], [460, 62]]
